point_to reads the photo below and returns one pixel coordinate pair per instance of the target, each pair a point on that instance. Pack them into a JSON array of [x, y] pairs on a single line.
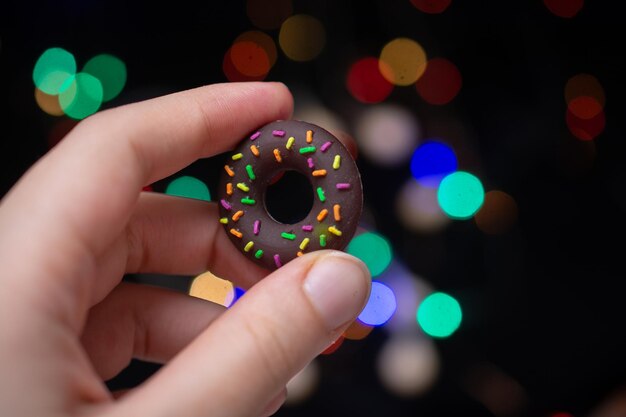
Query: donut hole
[[289, 197]]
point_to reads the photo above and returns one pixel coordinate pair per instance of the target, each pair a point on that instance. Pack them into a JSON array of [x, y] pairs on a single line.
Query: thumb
[[246, 357]]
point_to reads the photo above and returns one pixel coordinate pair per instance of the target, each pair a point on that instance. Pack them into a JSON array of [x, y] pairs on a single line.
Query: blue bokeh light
[[431, 162], [380, 306]]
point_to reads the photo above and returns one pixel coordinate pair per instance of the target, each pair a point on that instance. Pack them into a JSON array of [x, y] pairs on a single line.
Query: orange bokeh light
[[250, 59], [263, 40], [233, 74], [497, 214]]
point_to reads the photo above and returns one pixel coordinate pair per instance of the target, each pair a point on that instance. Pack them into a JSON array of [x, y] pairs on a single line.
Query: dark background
[[542, 302]]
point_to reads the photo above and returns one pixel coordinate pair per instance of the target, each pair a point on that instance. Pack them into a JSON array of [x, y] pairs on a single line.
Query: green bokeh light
[[460, 195], [373, 250], [189, 187], [111, 71], [439, 315], [52, 70], [81, 96]]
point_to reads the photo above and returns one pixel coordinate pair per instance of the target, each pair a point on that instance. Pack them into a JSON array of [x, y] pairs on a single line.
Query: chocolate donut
[[274, 149]]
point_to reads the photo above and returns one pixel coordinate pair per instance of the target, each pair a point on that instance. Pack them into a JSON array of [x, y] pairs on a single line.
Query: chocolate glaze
[[265, 167]]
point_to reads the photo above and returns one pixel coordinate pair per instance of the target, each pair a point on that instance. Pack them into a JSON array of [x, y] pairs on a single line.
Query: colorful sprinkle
[[248, 246], [255, 150], [320, 194], [243, 187], [323, 241], [307, 227], [224, 220], [279, 133], [229, 171], [337, 162], [334, 231], [319, 173], [337, 212], [248, 201], [250, 172], [256, 227], [237, 156], [343, 186], [255, 135], [236, 233], [258, 254], [229, 188], [277, 261], [309, 136], [277, 155], [308, 149], [290, 142], [322, 215], [325, 146], [237, 215], [225, 204], [290, 236], [311, 163], [299, 253], [304, 243]]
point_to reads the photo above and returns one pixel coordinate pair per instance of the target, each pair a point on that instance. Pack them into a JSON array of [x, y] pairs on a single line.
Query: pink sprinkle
[[256, 135], [343, 186], [256, 227], [225, 204], [311, 164], [307, 228], [279, 133], [277, 261], [325, 146]]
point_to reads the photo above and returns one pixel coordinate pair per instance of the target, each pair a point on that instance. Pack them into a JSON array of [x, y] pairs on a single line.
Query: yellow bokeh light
[[213, 288], [48, 103], [302, 37], [402, 61], [263, 40]]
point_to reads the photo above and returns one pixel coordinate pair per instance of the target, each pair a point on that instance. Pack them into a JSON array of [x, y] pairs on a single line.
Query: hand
[[77, 221]]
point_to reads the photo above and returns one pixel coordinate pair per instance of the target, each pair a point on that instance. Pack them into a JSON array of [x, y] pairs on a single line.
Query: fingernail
[[338, 286]]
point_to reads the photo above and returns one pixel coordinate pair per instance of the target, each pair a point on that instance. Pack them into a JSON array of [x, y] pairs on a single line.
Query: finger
[[275, 404], [143, 322], [271, 333]]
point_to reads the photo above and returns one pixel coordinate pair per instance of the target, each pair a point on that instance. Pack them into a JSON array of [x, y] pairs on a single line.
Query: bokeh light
[[497, 214], [460, 195], [48, 103], [250, 59], [584, 96], [111, 71], [585, 129], [440, 83], [500, 393], [431, 162], [408, 365], [268, 14], [431, 6], [263, 40], [357, 330], [380, 306], [82, 97], [233, 74], [387, 134], [564, 8], [189, 187], [212, 288], [302, 37], [402, 61], [418, 208], [332, 348], [373, 249], [366, 83], [439, 315], [303, 384], [53, 69]]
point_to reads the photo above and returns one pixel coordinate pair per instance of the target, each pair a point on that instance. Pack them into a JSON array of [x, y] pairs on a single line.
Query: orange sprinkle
[[319, 173], [277, 155], [299, 253], [336, 211], [229, 170], [237, 215], [236, 233], [254, 150], [229, 188], [309, 136], [322, 215]]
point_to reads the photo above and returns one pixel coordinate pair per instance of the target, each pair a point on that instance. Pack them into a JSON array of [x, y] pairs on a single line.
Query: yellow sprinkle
[[304, 243], [319, 173], [243, 187], [237, 156], [309, 136], [237, 215], [334, 231], [229, 170], [254, 150], [290, 142], [299, 253], [229, 188], [224, 220], [248, 246], [322, 215], [277, 155], [337, 212], [337, 162], [236, 233]]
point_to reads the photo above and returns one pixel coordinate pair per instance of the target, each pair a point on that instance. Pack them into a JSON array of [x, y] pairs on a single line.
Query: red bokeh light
[[231, 72], [431, 6], [334, 346], [564, 8], [584, 107], [366, 83], [440, 83], [585, 129]]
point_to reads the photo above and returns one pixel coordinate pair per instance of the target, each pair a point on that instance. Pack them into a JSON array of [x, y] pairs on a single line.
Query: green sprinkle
[[323, 241], [250, 172], [308, 149], [237, 156], [320, 194], [289, 236], [258, 254], [248, 201]]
